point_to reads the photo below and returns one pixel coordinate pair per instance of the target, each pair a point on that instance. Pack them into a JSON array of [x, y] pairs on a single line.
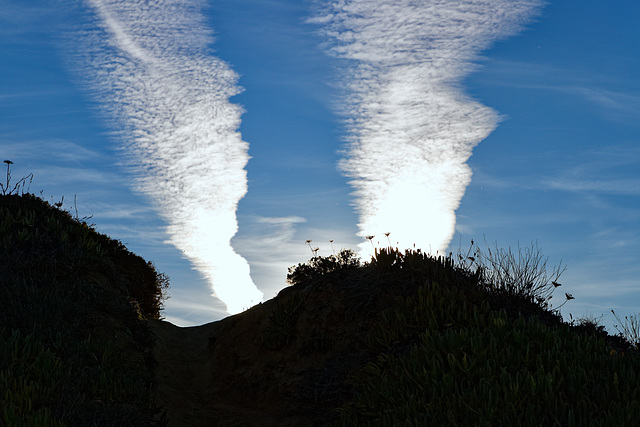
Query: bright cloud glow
[[150, 68], [411, 128]]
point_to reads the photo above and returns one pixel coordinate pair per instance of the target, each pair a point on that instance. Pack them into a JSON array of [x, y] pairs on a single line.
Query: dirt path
[[182, 361], [233, 373], [214, 374]]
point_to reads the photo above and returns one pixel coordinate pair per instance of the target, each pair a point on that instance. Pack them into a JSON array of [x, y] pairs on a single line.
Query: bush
[[33, 233], [319, 266]]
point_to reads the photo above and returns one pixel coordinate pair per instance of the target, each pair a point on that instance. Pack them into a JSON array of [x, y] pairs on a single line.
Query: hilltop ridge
[[405, 337]]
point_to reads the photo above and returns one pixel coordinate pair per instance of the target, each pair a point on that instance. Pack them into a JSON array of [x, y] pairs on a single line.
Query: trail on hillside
[[194, 376], [181, 358], [221, 373]]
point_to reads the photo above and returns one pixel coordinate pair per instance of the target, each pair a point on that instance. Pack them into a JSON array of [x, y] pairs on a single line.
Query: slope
[[405, 338], [75, 348]]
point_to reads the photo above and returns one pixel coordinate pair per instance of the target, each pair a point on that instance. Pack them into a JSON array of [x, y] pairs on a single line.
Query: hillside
[[404, 338], [75, 348]]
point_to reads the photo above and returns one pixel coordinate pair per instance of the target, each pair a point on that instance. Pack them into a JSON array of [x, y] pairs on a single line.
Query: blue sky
[[547, 99]]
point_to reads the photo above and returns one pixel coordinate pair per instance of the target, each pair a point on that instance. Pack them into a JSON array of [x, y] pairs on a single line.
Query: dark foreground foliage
[[74, 347], [405, 339], [452, 349]]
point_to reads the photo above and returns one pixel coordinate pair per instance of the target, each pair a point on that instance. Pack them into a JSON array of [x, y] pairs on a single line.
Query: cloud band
[[151, 70], [410, 127]]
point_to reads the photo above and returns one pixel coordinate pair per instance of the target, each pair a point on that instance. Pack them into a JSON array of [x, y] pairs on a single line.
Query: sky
[[214, 138]]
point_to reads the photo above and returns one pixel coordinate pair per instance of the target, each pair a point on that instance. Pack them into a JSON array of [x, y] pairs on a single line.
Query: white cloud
[[54, 151], [119, 211], [608, 94], [192, 307], [620, 186], [18, 19], [609, 169], [273, 244], [149, 66], [411, 128], [270, 244], [610, 99]]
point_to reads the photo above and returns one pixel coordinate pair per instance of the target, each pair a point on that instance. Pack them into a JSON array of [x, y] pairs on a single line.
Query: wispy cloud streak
[[411, 128], [153, 72]]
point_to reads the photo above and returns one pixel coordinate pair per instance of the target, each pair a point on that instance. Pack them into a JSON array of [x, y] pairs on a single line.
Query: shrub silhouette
[[31, 229], [319, 266]]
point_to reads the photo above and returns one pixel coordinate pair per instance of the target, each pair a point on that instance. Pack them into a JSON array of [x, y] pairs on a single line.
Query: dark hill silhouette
[[403, 339], [75, 348]]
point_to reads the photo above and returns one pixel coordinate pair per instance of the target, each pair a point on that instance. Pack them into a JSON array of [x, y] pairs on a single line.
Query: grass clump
[[522, 273], [629, 329], [75, 348]]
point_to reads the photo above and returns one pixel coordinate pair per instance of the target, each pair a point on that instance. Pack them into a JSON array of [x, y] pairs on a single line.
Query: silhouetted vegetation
[[459, 341], [319, 266], [74, 347], [405, 338]]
